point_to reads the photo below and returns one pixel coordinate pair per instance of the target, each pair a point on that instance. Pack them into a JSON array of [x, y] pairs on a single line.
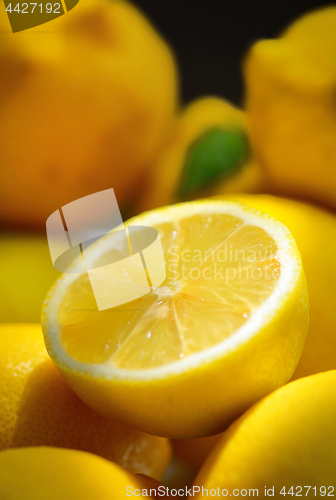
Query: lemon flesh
[[206, 297]]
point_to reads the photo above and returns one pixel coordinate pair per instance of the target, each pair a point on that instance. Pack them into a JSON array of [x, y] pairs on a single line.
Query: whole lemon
[[38, 408], [207, 152], [286, 442], [26, 274], [85, 103], [41, 473], [290, 101], [314, 231]]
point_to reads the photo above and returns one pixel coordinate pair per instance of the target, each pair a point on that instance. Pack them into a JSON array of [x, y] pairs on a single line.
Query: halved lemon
[[226, 326]]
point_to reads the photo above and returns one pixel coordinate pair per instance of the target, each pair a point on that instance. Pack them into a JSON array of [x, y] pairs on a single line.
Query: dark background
[[211, 37]]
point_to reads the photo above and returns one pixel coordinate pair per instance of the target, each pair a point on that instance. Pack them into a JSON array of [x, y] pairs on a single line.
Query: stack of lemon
[[235, 349], [183, 361]]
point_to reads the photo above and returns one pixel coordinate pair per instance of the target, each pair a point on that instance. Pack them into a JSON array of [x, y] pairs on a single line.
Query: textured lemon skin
[[54, 473], [26, 274], [197, 118], [288, 439], [314, 231], [98, 88], [38, 408], [201, 400], [290, 102]]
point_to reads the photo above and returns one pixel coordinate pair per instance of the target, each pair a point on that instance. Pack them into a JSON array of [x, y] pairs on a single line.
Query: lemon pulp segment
[[219, 270]]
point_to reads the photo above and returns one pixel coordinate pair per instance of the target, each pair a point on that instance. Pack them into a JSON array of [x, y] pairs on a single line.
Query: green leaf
[[216, 155]]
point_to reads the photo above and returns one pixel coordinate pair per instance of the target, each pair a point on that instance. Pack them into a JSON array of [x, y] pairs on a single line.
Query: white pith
[[290, 272]]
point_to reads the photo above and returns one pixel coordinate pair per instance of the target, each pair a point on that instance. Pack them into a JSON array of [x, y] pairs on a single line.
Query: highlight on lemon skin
[[287, 440], [38, 408], [219, 333]]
